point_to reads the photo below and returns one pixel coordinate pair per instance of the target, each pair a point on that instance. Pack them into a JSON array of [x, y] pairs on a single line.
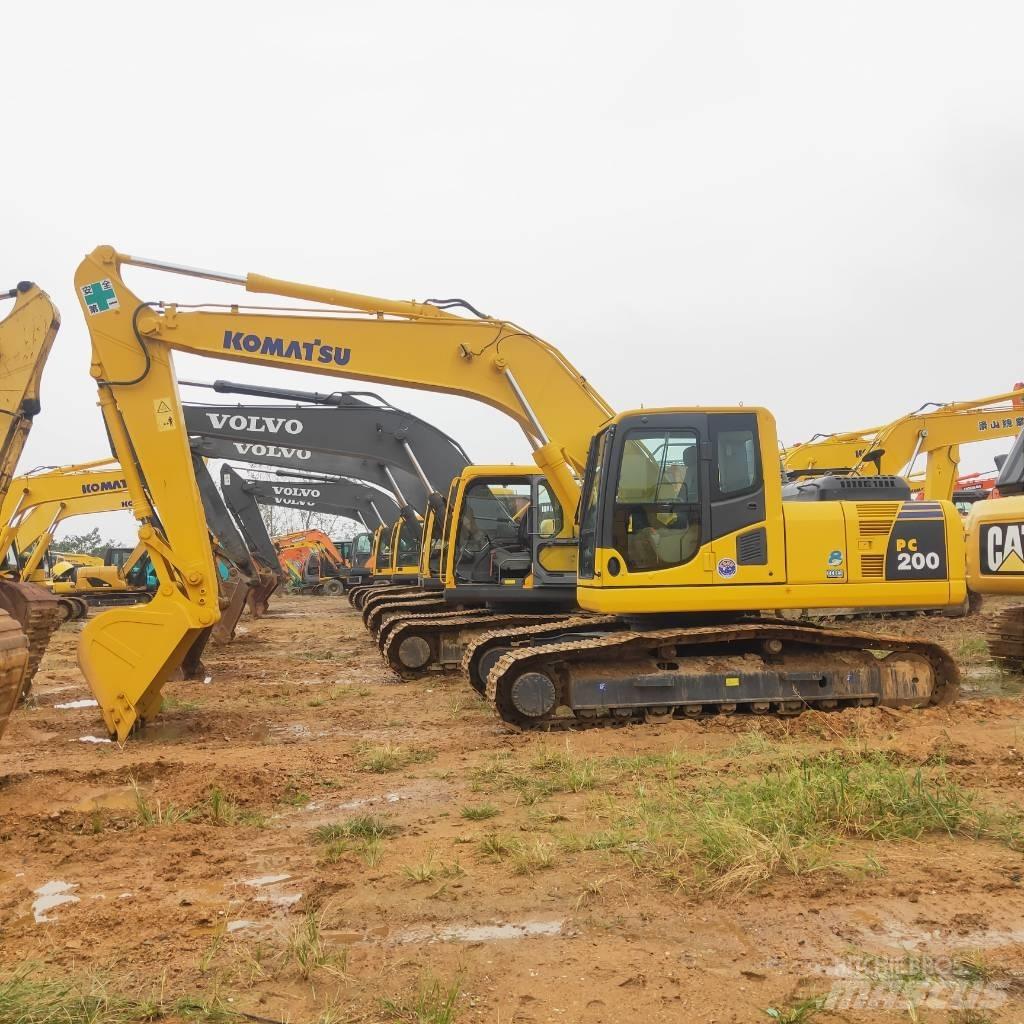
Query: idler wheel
[[534, 694], [414, 652]]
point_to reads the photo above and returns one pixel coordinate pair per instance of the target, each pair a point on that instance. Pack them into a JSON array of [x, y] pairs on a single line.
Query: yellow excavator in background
[[37, 524], [935, 431], [995, 557], [28, 613], [683, 533], [40, 500]]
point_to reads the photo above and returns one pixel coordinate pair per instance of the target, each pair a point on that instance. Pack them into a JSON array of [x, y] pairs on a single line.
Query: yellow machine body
[[38, 503], [995, 546], [127, 654], [815, 554]]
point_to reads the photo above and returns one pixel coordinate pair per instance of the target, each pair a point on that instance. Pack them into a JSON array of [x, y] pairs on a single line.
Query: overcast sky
[[811, 206]]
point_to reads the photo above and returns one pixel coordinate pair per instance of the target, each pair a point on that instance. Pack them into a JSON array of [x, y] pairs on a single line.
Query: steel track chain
[[471, 618], [630, 641], [395, 621]]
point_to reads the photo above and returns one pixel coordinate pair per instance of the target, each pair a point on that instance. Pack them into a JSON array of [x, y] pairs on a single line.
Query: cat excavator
[[28, 613], [683, 534], [934, 432], [995, 557]]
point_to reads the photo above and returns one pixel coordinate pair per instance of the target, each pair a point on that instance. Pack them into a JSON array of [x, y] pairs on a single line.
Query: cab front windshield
[[408, 547], [656, 518], [493, 541]]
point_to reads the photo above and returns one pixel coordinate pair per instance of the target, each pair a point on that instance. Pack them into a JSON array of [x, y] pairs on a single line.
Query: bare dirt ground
[[306, 838]]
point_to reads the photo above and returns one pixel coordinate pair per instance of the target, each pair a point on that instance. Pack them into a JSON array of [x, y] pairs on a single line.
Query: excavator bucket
[[231, 610], [259, 596], [127, 654]]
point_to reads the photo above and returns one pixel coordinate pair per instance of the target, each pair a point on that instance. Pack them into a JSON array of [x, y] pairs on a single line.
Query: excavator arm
[[935, 434], [422, 457], [245, 512], [317, 465], [351, 499]]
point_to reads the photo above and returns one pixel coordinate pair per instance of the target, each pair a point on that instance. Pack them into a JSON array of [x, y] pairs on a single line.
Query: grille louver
[[872, 567], [876, 517]]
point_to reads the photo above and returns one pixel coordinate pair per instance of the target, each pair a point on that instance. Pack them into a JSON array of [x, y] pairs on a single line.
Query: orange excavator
[[312, 561]]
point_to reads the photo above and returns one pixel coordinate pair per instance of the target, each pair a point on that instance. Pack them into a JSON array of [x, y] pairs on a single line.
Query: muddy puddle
[[120, 798], [49, 897], [481, 932], [983, 682]]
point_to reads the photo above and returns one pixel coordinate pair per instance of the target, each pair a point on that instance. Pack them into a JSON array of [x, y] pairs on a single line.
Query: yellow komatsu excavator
[[995, 557], [28, 613], [683, 533], [934, 432], [93, 487], [34, 506], [122, 576]]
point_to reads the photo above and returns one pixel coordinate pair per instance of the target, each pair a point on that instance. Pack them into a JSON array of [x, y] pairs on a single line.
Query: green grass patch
[[480, 812], [172, 703], [29, 997], [220, 809], [972, 650], [434, 1002], [791, 819], [549, 772], [306, 950], [431, 869], [152, 812], [796, 1013], [294, 797], [524, 858], [363, 834], [389, 758]]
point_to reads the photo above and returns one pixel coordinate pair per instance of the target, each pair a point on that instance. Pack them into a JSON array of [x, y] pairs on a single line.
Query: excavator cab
[[126, 577], [436, 524], [502, 540], [405, 548]]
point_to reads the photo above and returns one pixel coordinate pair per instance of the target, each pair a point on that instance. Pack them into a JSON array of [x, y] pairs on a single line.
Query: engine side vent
[[872, 567], [752, 547], [876, 517]]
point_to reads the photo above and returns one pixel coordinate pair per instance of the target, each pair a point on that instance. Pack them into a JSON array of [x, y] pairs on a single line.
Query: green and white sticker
[[99, 296]]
